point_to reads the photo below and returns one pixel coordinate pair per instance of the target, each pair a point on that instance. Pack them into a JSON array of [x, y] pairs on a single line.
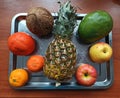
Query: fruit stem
[[86, 74]]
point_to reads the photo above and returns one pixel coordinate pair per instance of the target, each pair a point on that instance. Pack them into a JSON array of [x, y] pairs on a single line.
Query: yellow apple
[[100, 52]]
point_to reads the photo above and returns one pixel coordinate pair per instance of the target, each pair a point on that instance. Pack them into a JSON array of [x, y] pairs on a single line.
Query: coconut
[[39, 21]]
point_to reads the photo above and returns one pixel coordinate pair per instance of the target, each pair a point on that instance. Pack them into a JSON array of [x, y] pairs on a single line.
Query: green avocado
[[94, 26]]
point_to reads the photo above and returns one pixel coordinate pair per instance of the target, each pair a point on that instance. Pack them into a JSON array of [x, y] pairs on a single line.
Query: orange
[[35, 63], [20, 43], [18, 77]]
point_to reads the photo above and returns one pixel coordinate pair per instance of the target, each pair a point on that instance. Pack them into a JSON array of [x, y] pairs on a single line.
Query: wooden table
[[8, 8]]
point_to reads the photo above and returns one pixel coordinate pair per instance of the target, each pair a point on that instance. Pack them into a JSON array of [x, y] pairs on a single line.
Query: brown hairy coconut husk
[[39, 21]]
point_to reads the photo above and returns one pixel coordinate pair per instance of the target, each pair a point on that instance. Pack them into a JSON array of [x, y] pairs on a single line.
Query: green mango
[[95, 26]]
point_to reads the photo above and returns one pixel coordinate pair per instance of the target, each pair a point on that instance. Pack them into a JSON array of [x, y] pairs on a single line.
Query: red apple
[[86, 75], [100, 52]]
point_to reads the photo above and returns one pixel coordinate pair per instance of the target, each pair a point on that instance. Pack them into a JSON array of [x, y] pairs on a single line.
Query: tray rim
[[108, 83]]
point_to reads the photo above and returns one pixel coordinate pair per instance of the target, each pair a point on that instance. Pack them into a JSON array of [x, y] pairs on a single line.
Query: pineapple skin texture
[[60, 60]]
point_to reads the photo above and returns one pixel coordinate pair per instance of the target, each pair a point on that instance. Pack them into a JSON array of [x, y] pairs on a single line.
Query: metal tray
[[41, 82]]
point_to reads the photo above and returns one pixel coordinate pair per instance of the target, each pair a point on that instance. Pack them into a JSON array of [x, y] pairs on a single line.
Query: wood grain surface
[[8, 8]]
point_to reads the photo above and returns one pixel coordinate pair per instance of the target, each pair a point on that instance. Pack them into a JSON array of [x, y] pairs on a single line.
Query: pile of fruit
[[59, 61]]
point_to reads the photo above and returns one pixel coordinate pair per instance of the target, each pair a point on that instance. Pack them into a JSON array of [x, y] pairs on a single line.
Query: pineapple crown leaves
[[66, 21]]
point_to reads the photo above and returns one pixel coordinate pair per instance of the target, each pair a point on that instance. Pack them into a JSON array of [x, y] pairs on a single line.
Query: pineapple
[[61, 52]]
